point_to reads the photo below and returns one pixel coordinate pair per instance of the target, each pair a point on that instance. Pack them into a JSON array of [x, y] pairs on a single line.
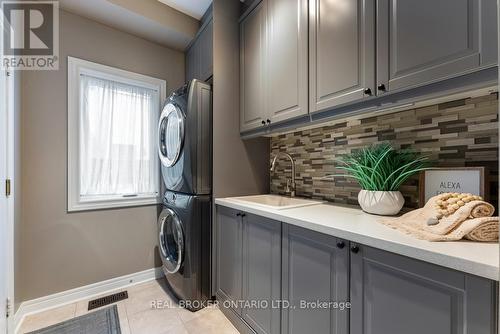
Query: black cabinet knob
[[238, 214], [381, 87], [263, 122], [268, 121], [340, 244], [368, 91], [243, 215], [355, 249]]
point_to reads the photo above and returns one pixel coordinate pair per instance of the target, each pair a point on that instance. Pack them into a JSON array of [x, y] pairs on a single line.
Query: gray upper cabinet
[[273, 63], [420, 42], [287, 47], [199, 56], [206, 51], [192, 63], [262, 272], [392, 294], [341, 52], [301, 57], [252, 84], [229, 255], [315, 268]]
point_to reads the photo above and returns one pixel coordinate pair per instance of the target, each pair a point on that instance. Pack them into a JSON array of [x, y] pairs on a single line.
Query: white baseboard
[[84, 292]]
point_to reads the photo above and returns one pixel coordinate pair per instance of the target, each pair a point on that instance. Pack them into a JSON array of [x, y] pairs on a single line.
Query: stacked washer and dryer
[[184, 225]]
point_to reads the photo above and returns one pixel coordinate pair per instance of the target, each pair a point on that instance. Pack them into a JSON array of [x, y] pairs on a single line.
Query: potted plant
[[380, 170]]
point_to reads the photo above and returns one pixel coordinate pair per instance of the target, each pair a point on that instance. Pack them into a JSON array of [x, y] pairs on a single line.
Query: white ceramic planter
[[385, 203]]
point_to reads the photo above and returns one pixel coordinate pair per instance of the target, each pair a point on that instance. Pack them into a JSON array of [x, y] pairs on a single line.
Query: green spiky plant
[[380, 167]]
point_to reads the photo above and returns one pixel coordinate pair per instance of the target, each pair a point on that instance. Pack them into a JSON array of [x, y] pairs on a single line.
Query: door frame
[[7, 154], [498, 59]]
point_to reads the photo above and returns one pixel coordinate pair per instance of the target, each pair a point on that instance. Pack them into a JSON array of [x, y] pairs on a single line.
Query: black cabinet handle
[[268, 121], [243, 215], [355, 249], [340, 244], [381, 87], [263, 122], [368, 91], [238, 214]]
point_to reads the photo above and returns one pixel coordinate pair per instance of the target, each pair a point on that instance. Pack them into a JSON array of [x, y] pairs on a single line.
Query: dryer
[[185, 139]]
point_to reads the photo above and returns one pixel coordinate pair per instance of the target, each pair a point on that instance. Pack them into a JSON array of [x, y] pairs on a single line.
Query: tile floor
[[137, 316]]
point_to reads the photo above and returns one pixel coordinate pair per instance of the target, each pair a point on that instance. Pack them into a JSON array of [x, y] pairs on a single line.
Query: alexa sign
[[436, 181]]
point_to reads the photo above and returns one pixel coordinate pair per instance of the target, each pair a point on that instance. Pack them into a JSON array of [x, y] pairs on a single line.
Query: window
[[112, 132]]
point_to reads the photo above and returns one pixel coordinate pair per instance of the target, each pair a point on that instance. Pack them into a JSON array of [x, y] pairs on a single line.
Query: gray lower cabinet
[[341, 52], [294, 271], [419, 42], [249, 268], [229, 256], [315, 268], [393, 294], [261, 273]]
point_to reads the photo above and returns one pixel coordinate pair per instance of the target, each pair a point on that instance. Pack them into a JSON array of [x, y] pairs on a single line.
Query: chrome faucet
[[290, 184]]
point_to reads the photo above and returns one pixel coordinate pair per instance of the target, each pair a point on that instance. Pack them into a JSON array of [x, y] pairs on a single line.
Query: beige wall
[[60, 251], [241, 167]]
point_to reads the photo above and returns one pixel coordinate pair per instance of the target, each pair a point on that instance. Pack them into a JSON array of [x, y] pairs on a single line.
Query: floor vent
[[103, 301]]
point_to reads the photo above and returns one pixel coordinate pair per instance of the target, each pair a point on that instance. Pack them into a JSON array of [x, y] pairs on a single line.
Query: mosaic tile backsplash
[[461, 133]]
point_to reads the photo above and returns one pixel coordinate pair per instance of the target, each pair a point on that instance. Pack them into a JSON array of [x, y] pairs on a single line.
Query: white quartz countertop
[[353, 224]]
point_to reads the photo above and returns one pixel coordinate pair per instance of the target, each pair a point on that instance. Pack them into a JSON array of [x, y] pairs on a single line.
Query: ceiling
[[193, 8], [149, 19]]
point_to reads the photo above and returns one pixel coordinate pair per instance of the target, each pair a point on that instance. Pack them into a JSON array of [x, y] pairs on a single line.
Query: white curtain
[[117, 138]]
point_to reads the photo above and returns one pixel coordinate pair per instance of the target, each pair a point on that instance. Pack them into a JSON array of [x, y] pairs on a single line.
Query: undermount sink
[[277, 202]]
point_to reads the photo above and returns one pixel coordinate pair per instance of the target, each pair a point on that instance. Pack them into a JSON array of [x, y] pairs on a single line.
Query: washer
[[185, 139], [184, 246]]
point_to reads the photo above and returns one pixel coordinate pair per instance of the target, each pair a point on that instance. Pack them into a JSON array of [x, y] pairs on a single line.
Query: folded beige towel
[[472, 221], [480, 229], [474, 209]]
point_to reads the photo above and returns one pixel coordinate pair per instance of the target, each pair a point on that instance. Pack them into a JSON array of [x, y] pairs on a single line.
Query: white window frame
[[77, 67]]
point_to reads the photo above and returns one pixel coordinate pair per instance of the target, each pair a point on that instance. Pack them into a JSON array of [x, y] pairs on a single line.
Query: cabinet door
[[192, 63], [261, 273], [342, 52], [206, 52], [286, 58], [229, 255], [252, 84], [419, 42], [315, 268], [393, 294]]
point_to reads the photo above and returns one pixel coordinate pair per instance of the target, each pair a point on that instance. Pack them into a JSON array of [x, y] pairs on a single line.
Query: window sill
[[123, 202]]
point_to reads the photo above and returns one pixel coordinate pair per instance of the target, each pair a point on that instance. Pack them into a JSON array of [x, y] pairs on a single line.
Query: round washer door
[[170, 134], [171, 241]]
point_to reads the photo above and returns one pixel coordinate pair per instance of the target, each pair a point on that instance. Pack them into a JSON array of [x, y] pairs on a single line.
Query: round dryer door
[[171, 241], [170, 134]]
